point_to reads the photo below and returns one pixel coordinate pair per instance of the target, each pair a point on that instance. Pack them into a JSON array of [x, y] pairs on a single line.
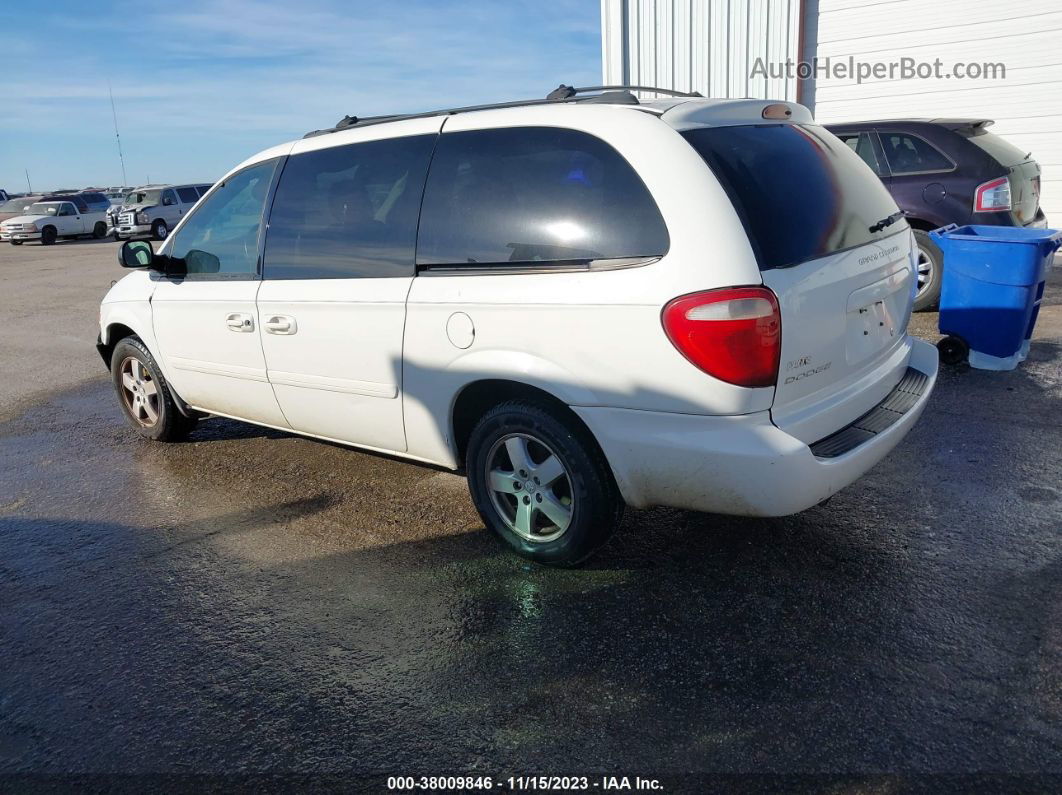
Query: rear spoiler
[[964, 125]]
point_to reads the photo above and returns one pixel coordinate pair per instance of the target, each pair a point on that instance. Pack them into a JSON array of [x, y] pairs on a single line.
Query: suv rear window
[[528, 195], [800, 192], [1000, 149]]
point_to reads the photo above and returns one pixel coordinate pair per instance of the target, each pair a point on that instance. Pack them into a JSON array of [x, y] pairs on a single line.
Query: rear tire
[[930, 272], [539, 480], [48, 236], [99, 231], [145, 397], [16, 242]]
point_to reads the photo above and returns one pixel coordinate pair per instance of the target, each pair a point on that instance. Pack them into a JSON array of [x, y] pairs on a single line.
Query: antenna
[[117, 137]]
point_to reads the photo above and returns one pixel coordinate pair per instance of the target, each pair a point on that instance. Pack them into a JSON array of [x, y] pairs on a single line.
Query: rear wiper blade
[[887, 221]]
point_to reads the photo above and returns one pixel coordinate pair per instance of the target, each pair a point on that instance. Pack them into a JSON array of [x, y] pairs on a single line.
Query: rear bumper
[[743, 465]]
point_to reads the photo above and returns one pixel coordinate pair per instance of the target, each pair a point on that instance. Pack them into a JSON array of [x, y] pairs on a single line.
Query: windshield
[[144, 197], [50, 208], [15, 205], [800, 192]]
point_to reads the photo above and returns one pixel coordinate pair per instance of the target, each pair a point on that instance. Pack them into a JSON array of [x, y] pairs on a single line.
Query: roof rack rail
[[617, 95], [567, 92]]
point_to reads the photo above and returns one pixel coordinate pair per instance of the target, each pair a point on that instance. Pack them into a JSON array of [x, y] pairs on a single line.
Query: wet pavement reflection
[[250, 600]]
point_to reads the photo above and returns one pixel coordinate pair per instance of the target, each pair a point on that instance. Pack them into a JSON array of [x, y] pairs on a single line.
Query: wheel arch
[[110, 336], [921, 224], [477, 397]]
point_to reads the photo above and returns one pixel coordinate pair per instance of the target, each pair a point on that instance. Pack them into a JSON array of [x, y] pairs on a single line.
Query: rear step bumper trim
[[887, 413]]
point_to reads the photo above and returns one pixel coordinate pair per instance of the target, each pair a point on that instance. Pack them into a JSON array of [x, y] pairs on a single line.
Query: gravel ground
[[251, 602]]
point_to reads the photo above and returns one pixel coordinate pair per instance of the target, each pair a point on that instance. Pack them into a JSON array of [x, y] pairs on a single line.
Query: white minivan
[[583, 303]]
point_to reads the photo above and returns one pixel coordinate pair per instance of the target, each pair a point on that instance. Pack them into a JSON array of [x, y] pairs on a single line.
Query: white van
[[583, 303], [153, 210]]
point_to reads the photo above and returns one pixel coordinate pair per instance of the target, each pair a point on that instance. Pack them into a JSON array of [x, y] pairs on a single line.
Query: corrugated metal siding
[[709, 46], [1026, 105]]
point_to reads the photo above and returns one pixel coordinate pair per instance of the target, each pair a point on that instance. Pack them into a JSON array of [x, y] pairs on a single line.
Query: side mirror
[[136, 254]]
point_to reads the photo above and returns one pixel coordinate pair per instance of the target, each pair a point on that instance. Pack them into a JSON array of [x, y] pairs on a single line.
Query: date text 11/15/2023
[[522, 783]]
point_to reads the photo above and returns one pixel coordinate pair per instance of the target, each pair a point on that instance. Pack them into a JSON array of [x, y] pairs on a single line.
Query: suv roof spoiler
[[963, 124], [614, 95]]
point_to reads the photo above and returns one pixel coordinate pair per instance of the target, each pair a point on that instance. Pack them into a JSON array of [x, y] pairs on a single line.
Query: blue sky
[[202, 84]]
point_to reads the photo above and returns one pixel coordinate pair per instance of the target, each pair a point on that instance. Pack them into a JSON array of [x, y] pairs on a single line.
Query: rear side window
[[534, 194], [909, 154], [348, 211], [188, 195], [800, 192], [1000, 149]]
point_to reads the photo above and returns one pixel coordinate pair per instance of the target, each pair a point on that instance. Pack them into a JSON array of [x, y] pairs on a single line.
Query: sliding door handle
[[281, 324]]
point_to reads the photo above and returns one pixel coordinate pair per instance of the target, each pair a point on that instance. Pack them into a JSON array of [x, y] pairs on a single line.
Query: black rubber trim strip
[[902, 399]]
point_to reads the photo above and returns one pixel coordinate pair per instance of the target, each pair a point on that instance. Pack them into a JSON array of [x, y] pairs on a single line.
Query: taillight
[[734, 334], [992, 196]]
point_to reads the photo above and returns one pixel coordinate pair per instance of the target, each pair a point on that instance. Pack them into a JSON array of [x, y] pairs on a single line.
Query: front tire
[[160, 230], [48, 236], [540, 482], [16, 242], [930, 272], [145, 397]]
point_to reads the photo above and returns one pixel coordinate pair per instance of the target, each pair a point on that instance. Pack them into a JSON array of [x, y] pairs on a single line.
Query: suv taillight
[[734, 334], [992, 196]]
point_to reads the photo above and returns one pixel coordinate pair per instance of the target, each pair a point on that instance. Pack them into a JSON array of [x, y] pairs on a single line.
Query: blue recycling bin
[[990, 295]]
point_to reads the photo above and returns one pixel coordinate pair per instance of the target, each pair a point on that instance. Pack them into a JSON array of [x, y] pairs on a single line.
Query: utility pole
[[28, 182], [117, 137]]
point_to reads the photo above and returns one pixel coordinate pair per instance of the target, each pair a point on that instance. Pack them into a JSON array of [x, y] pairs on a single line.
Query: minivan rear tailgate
[[844, 342]]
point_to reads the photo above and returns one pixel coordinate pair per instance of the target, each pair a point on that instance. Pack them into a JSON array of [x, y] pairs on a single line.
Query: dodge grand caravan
[[583, 303]]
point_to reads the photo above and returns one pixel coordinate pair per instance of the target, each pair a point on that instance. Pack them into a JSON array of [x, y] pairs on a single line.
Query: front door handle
[[239, 321], [281, 324]]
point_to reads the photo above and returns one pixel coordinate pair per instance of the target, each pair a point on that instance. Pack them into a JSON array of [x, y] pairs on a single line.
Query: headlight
[[143, 218]]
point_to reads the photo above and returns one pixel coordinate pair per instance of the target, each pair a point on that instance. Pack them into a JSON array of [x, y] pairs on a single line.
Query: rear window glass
[[800, 191], [1004, 152], [534, 195]]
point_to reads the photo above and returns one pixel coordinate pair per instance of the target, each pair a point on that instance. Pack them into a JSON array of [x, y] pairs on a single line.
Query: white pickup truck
[[48, 221]]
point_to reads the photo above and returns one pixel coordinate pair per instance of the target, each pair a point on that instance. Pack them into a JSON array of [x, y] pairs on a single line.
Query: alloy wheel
[[924, 271], [139, 392], [530, 487]]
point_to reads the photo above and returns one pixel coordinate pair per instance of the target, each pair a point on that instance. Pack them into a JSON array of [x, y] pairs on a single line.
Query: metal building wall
[[1026, 105], [709, 46]]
